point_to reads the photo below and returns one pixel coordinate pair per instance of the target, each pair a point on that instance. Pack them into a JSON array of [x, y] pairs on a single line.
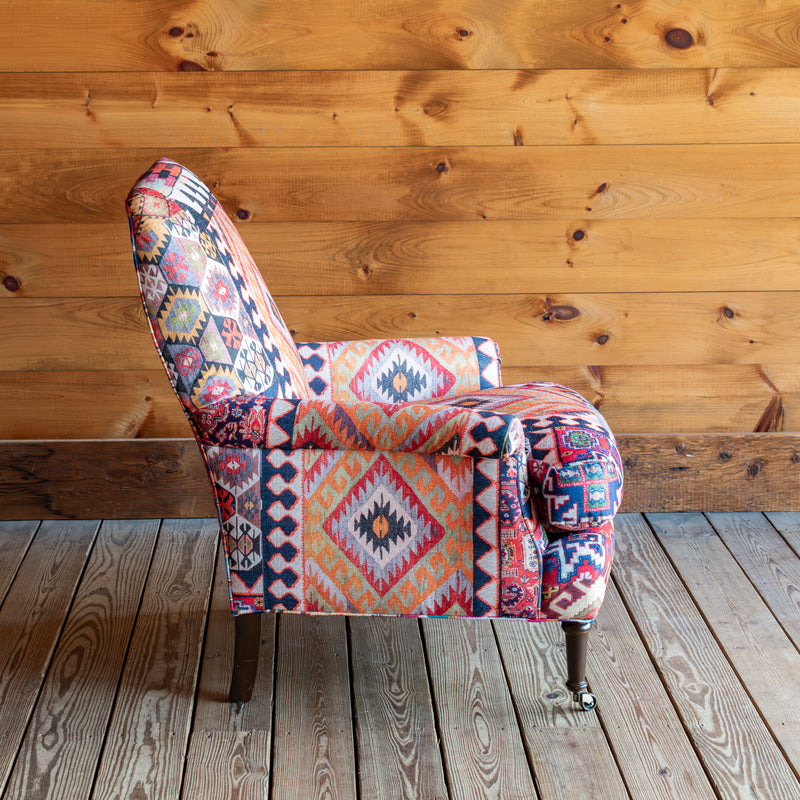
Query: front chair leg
[[247, 645], [577, 635]]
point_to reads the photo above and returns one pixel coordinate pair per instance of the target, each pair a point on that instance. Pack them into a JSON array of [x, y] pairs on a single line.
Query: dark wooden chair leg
[[577, 636], [246, 647]]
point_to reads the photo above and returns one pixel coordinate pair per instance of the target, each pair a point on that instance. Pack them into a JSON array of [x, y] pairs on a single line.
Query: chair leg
[[247, 645], [577, 636]]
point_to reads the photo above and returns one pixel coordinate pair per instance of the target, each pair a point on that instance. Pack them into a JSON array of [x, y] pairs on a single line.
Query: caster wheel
[[586, 700]]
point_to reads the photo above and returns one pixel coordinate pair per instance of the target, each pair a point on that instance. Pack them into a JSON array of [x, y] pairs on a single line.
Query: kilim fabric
[[391, 476], [400, 370]]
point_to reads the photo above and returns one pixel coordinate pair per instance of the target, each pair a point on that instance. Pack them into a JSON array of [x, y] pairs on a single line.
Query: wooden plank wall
[[608, 189]]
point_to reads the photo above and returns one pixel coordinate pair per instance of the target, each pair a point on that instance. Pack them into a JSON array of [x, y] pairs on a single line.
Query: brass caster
[[586, 700]]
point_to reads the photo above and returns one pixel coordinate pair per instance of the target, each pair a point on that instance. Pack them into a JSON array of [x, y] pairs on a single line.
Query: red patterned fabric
[[389, 476]]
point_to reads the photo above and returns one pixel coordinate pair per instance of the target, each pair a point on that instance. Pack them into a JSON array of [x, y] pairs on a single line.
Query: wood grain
[[481, 744], [368, 108], [15, 537], [398, 749], [759, 650], [433, 257], [60, 751], [30, 620], [414, 34], [385, 184], [535, 666], [228, 765], [736, 747], [548, 330], [142, 477], [642, 726], [93, 404], [748, 472], [131, 479], [314, 751], [787, 523], [213, 712], [769, 563], [572, 329], [152, 716], [726, 398]]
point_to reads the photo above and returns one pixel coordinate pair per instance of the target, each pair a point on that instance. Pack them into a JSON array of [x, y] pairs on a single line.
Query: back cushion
[[217, 327]]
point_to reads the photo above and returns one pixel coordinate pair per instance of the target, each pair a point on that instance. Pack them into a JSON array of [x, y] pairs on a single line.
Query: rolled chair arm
[[270, 423]]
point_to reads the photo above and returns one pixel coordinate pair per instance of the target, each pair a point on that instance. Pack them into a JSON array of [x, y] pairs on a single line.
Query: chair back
[[213, 320]]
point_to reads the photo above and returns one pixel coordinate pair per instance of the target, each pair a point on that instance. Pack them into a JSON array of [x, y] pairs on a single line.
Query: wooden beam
[[140, 478]]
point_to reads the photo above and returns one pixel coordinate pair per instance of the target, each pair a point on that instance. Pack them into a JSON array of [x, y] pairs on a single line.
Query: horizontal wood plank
[[724, 398], [377, 108], [122, 479], [549, 330], [383, 184], [434, 257], [138, 478], [388, 34]]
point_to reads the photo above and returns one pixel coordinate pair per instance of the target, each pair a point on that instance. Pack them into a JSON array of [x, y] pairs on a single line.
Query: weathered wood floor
[[116, 652]]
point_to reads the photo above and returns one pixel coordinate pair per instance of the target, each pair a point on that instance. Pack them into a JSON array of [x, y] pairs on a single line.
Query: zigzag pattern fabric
[[391, 476]]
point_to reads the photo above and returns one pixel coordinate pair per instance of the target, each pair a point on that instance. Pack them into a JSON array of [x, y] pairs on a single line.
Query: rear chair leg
[[246, 647], [577, 635]]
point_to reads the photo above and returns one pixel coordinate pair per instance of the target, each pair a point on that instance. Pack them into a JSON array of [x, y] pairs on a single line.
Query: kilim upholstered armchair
[[370, 477]]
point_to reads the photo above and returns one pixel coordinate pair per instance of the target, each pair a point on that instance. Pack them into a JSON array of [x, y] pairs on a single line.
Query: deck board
[[735, 745], [115, 680], [59, 755], [30, 622], [763, 656]]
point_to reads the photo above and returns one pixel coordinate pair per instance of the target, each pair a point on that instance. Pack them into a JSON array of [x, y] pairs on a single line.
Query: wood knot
[[434, 108], [602, 338], [578, 235], [561, 313], [176, 32], [442, 167], [754, 467], [679, 38], [191, 66], [11, 283], [796, 458], [463, 33], [243, 214], [728, 312], [724, 455]]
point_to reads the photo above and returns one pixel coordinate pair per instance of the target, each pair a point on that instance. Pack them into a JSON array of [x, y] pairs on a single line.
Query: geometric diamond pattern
[[378, 477]]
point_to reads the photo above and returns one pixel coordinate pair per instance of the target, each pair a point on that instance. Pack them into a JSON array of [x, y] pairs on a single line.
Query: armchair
[[370, 477]]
